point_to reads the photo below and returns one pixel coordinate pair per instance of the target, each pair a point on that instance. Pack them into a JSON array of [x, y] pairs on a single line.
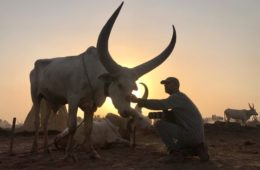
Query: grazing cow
[[242, 115], [85, 81]]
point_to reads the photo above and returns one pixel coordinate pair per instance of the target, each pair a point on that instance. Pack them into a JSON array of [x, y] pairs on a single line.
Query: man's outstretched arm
[[153, 104]]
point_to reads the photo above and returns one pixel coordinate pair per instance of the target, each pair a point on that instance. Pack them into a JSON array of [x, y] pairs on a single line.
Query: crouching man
[[181, 125]]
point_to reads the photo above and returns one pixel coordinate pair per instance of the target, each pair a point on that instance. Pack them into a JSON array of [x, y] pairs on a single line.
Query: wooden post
[[134, 135], [12, 137]]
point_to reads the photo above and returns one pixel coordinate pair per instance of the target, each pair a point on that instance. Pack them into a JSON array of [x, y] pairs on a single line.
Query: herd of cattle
[[84, 81], [112, 129]]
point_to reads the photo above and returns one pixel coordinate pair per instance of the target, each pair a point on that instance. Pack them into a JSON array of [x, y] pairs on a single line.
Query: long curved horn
[[156, 61], [102, 44], [146, 92], [249, 105]]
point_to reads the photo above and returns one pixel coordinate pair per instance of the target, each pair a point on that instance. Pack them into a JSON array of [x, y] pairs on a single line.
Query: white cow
[[103, 134], [85, 81], [242, 115]]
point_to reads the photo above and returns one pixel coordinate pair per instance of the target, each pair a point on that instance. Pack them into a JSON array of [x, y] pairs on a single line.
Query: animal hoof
[[74, 158], [47, 151], [34, 149], [94, 155], [69, 156]]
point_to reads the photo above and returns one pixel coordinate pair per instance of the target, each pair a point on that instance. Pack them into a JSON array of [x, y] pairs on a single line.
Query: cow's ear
[[107, 77]]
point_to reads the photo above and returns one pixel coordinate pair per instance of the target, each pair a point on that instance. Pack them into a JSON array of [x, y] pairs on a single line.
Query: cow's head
[[122, 79], [252, 110]]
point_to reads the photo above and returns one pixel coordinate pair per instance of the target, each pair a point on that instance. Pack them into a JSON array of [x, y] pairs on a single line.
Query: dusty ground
[[230, 147]]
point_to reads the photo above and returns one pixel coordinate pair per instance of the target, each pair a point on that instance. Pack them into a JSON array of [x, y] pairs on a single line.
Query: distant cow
[[242, 115]]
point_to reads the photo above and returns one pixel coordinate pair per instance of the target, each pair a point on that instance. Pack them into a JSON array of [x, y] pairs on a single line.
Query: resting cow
[[103, 134]]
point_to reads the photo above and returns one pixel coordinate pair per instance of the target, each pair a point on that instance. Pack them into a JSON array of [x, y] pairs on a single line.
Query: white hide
[[242, 115], [103, 133]]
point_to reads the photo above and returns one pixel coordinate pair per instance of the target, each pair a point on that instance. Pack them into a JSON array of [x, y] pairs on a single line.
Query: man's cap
[[170, 80]]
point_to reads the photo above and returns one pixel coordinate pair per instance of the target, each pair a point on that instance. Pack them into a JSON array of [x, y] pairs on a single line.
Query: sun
[[108, 106], [138, 93]]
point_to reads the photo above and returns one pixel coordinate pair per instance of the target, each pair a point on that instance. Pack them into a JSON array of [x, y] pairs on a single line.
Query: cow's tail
[[35, 78]]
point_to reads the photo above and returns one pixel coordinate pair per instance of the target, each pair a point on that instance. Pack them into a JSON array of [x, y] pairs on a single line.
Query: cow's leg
[[88, 124], [72, 123], [35, 110], [133, 144], [46, 110], [228, 119], [131, 128], [243, 122]]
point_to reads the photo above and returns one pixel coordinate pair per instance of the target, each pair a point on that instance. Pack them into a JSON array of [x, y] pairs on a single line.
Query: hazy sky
[[216, 57]]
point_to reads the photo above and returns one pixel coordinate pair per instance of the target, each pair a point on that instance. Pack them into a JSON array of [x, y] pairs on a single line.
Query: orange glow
[[216, 61]]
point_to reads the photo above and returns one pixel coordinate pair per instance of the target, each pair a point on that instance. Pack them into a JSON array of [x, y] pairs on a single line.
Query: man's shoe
[[202, 152], [173, 157]]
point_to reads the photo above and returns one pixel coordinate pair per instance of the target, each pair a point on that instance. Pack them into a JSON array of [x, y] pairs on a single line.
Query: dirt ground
[[230, 147]]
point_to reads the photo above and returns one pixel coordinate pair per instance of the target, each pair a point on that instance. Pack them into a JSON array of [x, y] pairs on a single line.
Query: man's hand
[[134, 99]]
